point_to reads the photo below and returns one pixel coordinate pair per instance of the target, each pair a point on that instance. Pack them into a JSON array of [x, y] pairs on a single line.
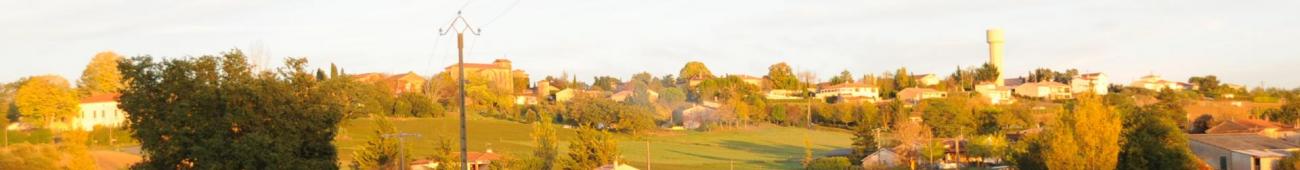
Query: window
[[1223, 162], [1254, 163]]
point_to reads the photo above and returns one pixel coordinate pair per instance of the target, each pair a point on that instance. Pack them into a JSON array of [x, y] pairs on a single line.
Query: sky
[[1243, 42]]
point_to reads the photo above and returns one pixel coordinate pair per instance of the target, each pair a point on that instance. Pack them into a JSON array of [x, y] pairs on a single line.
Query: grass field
[[760, 147]]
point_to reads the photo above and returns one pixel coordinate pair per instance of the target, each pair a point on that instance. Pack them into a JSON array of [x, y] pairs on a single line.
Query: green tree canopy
[[214, 112], [695, 70], [592, 148], [843, 77], [782, 77]]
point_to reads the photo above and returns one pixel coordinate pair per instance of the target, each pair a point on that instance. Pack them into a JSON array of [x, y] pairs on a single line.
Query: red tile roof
[[101, 98], [846, 85], [474, 65]]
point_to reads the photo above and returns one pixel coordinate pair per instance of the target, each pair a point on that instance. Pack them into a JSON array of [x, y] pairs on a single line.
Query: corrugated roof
[[1241, 141], [1243, 126]]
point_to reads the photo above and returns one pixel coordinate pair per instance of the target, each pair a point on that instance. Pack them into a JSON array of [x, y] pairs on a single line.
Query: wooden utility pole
[[460, 67], [647, 154]]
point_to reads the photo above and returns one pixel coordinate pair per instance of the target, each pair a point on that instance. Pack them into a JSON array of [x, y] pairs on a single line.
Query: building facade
[[99, 110]]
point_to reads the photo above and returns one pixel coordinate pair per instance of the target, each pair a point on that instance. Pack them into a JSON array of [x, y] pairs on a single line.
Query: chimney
[[995, 53]]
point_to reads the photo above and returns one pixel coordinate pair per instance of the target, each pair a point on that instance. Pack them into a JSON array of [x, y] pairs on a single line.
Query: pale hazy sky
[[1244, 42]]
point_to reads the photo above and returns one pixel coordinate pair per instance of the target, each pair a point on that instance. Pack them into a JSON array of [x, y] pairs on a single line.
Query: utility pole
[[647, 154], [401, 145], [460, 67]]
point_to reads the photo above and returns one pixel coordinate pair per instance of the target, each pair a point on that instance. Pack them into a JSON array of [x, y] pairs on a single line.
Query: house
[[543, 89], [1046, 89], [882, 159], [1097, 83], [1261, 127], [624, 94], [782, 94], [528, 98], [99, 110], [565, 95], [849, 90], [1154, 82], [750, 79], [397, 84], [1240, 150], [995, 94], [477, 161], [499, 73], [406, 83], [918, 94], [616, 166], [695, 116], [926, 79]]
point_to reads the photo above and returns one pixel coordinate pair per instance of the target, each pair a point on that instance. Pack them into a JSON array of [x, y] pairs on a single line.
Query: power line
[[503, 13]]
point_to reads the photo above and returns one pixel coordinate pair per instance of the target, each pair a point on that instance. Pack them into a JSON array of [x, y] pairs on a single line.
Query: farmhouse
[[99, 110]]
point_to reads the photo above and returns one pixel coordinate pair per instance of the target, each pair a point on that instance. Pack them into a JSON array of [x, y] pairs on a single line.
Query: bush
[[830, 163]]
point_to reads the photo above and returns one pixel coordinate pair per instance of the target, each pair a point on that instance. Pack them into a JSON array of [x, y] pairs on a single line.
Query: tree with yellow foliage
[[1086, 137], [101, 75], [45, 99]]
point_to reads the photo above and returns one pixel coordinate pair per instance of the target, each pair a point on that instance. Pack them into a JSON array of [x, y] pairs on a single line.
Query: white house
[[1154, 82], [780, 94], [1096, 82], [1046, 89], [882, 159], [995, 94], [849, 90], [99, 110], [926, 79], [918, 94]]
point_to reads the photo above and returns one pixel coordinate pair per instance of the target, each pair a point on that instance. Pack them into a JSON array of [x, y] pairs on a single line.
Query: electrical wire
[[503, 13]]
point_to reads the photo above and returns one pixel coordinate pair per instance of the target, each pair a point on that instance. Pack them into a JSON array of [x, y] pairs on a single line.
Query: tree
[[214, 112], [866, 133], [1042, 75], [30, 156], [672, 95], [46, 99], [1291, 162], [548, 149], [592, 148], [695, 70], [383, 152], [606, 83], [903, 79], [987, 73], [831, 163], [844, 77], [1086, 137], [782, 77], [101, 75], [950, 117], [933, 150], [1153, 141], [988, 146]]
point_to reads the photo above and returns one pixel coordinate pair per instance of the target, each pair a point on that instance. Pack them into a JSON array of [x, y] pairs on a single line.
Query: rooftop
[[101, 98], [1241, 141]]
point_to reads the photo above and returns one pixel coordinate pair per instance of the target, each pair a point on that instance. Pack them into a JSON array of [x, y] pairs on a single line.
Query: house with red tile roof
[[99, 110]]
